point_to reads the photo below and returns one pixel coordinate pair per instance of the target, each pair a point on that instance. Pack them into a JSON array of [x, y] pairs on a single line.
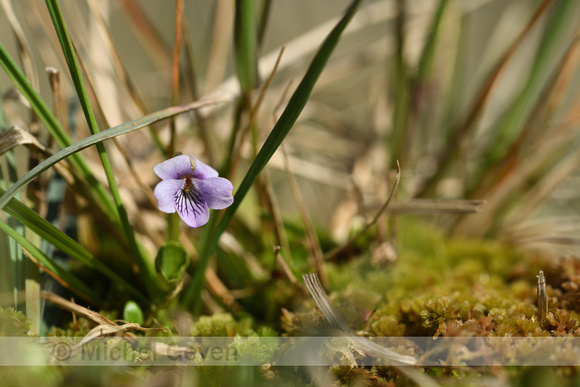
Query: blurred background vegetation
[[476, 100]]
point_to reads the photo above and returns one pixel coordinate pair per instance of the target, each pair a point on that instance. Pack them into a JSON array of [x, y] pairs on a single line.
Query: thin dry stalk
[[316, 255], [223, 24], [339, 249], [254, 112], [120, 69], [285, 268], [58, 105], [149, 35], [542, 299], [21, 42], [79, 310], [435, 206]]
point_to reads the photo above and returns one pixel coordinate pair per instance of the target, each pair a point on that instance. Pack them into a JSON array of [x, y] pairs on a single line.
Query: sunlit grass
[[309, 109]]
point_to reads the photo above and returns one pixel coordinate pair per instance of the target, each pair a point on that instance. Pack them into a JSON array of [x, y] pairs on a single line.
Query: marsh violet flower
[[190, 187]]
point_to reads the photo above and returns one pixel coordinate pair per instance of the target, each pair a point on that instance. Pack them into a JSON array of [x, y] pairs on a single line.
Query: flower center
[[187, 185], [188, 199]]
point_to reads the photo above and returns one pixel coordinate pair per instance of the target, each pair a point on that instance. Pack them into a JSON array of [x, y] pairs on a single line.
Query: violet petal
[[191, 207], [203, 171], [216, 191], [165, 193], [174, 168]]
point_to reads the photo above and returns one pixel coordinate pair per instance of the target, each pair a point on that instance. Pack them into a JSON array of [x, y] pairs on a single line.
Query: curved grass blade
[[54, 128], [35, 253], [64, 243], [118, 130], [146, 269], [279, 132]]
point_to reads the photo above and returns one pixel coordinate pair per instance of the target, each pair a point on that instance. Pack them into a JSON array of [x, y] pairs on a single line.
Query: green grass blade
[[11, 256], [279, 132], [428, 53], [263, 19], [45, 229], [75, 284], [64, 243], [118, 130], [398, 141], [517, 114], [465, 125], [246, 44], [146, 268], [54, 128]]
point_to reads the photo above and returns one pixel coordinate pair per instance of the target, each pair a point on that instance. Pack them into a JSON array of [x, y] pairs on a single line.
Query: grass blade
[[39, 256], [118, 130], [54, 128], [245, 44], [279, 132], [465, 125], [64, 243], [146, 268], [520, 109], [40, 226], [428, 53]]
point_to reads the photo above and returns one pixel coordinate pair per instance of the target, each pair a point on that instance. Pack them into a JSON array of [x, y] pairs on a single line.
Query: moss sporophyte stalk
[[190, 188]]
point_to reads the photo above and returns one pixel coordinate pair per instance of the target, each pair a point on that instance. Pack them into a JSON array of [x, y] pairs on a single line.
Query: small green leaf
[[171, 262], [132, 313]]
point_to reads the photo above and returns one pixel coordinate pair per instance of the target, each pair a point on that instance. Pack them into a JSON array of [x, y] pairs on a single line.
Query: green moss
[[221, 325], [13, 323], [388, 326], [469, 286]]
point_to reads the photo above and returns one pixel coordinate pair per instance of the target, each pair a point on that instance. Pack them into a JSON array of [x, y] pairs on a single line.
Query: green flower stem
[[173, 227]]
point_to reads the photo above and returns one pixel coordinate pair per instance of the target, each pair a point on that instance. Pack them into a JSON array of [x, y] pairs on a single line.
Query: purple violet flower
[[190, 187]]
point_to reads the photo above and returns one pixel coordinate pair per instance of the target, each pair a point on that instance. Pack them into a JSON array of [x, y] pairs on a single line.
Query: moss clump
[[221, 325], [387, 326], [444, 286], [13, 323]]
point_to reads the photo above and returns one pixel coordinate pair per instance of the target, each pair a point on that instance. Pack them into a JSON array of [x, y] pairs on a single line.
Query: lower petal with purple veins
[[191, 205]]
